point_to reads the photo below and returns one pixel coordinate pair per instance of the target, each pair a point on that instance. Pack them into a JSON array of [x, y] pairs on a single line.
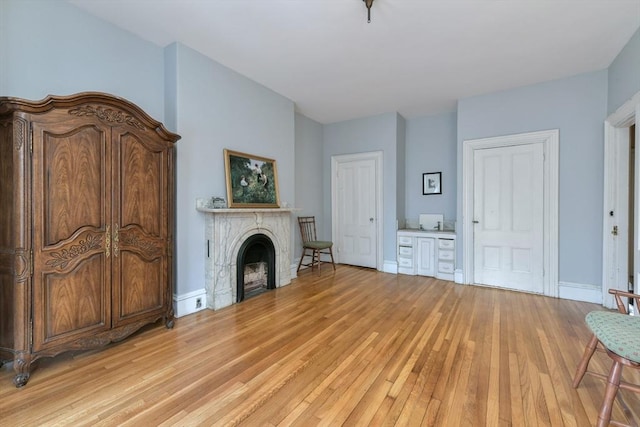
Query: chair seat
[[618, 332], [318, 244]]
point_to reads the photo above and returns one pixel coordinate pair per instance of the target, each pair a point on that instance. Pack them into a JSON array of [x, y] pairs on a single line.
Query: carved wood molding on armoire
[[87, 211]]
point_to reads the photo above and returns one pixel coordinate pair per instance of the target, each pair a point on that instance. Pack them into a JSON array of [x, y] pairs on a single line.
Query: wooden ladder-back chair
[[618, 335], [311, 246]]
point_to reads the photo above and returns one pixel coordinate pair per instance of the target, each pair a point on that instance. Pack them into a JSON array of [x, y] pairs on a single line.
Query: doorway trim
[[616, 133], [551, 142], [377, 156]]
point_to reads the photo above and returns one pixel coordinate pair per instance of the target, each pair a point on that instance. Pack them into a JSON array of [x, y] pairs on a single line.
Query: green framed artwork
[[252, 181]]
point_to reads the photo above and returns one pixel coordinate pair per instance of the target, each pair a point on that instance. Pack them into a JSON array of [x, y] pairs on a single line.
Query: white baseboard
[[188, 303], [390, 267], [580, 292], [294, 269]]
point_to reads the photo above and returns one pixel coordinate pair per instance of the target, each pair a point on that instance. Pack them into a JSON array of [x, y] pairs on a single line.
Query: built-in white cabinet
[[425, 265], [446, 258], [427, 253], [405, 255]]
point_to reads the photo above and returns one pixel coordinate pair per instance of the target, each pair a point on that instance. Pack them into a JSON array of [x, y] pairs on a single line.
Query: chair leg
[[613, 383], [304, 254], [584, 363], [332, 263], [301, 258]]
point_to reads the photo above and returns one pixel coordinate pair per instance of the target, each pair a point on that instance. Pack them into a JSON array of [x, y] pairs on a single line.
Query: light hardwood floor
[[354, 347]]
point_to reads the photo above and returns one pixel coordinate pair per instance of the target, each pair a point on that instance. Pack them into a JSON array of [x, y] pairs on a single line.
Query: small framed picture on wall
[[431, 183]]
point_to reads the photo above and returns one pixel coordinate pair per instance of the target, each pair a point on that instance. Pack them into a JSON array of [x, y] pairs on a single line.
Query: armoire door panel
[[74, 303], [6, 184], [143, 185], [74, 182], [141, 217], [71, 208], [7, 269], [141, 286], [7, 294]]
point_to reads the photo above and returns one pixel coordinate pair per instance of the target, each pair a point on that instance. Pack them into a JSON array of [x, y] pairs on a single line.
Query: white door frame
[[551, 142], [614, 257], [377, 156]]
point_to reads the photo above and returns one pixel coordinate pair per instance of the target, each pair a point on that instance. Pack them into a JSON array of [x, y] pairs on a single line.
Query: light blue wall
[[217, 108], [431, 147], [401, 164], [171, 86], [210, 106], [376, 133], [309, 176], [576, 106], [52, 47], [624, 74]]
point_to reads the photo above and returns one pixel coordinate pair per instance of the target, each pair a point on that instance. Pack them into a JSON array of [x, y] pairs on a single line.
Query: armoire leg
[[22, 367]]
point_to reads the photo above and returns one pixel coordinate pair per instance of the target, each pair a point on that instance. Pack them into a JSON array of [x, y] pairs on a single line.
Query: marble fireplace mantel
[[225, 231]]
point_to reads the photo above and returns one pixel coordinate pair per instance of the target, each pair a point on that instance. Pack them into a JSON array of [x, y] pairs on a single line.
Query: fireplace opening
[[256, 271]]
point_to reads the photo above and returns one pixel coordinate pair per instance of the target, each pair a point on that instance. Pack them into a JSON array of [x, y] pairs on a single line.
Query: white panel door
[[356, 212], [508, 199]]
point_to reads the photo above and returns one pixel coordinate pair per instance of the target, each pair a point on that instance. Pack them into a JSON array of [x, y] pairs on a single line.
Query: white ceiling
[[416, 57]]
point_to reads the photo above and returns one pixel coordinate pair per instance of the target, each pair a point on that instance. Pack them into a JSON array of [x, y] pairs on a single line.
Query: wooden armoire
[[87, 208]]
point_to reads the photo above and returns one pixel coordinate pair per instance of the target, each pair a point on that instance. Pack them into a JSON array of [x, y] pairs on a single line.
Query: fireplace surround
[[226, 230]]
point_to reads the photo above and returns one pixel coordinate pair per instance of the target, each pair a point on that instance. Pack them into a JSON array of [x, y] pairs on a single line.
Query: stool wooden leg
[[613, 383], [584, 363]]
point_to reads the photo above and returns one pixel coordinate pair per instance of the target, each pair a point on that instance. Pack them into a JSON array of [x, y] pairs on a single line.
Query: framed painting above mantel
[[252, 181]]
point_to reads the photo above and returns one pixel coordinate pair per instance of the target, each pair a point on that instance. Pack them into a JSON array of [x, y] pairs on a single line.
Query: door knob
[[370, 219], [475, 222]]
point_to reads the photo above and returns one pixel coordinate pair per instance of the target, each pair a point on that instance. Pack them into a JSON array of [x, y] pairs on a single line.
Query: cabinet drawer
[[445, 267], [405, 251], [405, 240], [445, 255], [405, 262], [446, 243]]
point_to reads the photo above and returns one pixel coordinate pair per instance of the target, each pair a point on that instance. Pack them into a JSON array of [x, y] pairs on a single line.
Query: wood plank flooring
[[354, 347]]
